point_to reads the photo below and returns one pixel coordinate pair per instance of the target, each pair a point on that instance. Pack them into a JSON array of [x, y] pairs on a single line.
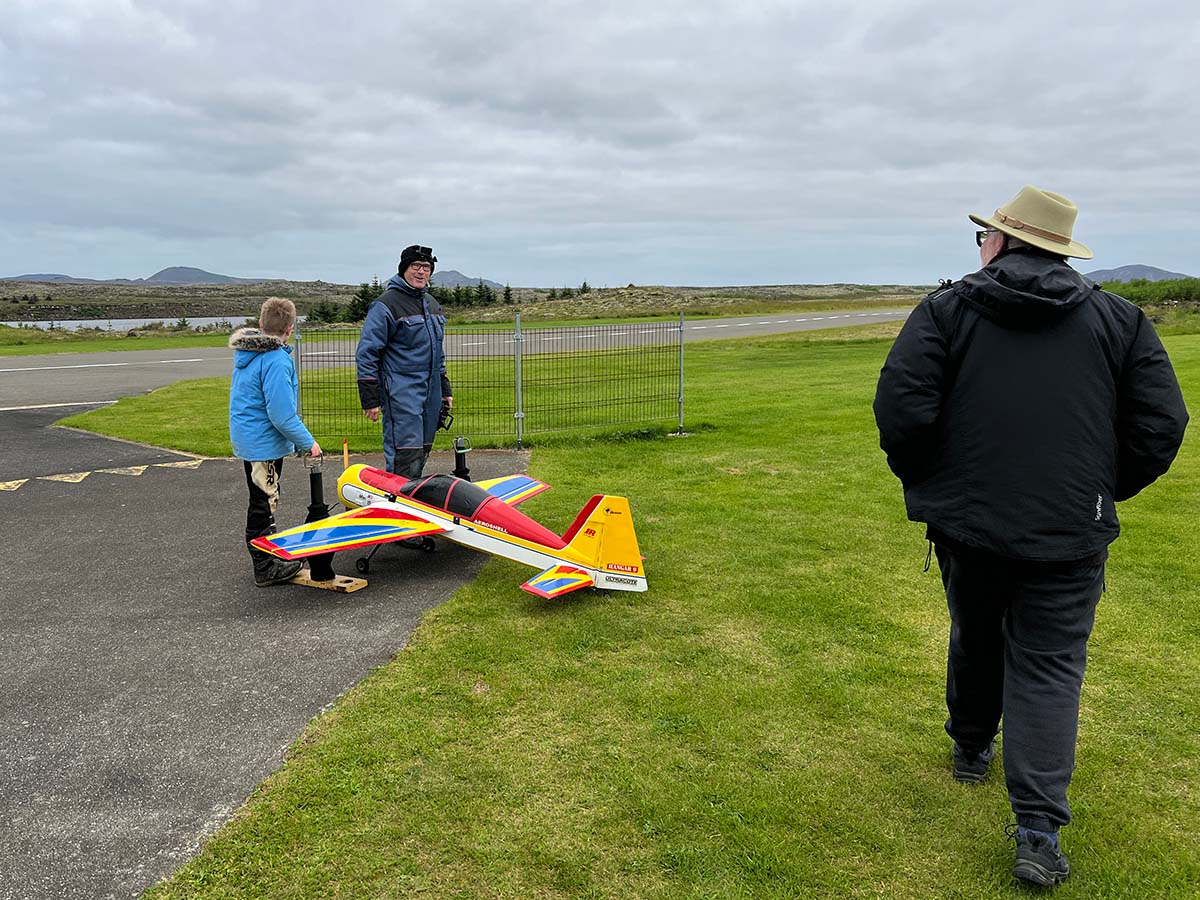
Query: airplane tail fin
[[602, 538]]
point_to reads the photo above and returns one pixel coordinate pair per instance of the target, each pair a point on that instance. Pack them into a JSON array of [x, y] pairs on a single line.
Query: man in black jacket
[[1017, 407]]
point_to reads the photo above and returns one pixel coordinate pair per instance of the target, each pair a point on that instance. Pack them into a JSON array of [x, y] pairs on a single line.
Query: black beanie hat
[[417, 253]]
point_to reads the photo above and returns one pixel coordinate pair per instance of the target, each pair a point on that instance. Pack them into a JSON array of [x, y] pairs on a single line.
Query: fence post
[[299, 354], [680, 430], [519, 415]]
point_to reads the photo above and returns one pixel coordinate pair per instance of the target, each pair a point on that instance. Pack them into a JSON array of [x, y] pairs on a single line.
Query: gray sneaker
[[972, 768], [1039, 861], [275, 571]]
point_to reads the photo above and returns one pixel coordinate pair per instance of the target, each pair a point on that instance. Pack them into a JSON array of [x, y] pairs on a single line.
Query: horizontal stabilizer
[[345, 531], [556, 581], [513, 489]]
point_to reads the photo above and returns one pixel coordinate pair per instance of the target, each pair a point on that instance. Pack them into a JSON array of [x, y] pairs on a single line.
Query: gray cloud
[[551, 142]]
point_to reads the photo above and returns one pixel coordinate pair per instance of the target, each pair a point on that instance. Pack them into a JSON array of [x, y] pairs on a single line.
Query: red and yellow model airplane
[[600, 549]]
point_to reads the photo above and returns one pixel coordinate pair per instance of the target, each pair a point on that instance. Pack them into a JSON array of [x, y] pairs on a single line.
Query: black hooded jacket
[[1017, 405]]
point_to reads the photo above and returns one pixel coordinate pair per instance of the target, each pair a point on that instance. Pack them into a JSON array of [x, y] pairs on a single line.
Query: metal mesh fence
[[510, 383]]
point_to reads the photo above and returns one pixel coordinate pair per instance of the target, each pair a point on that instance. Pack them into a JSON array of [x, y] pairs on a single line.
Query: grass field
[[765, 722]]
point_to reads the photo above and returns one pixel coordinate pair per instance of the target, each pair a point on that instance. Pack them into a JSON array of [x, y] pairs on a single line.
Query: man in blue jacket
[[402, 364], [264, 424], [1017, 407]]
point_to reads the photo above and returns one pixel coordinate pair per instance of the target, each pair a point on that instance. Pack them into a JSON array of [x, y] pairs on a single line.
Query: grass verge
[[34, 341], [765, 722]]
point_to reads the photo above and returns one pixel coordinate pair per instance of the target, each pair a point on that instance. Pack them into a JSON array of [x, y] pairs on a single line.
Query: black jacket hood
[[1025, 289]]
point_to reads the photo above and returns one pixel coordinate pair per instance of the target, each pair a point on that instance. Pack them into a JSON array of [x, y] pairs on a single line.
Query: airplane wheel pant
[[1018, 648]]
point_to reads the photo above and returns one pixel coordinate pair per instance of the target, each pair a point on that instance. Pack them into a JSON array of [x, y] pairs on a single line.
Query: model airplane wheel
[[362, 565]]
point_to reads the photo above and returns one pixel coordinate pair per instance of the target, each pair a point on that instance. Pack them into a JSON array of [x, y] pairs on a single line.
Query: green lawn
[[33, 341], [765, 722]]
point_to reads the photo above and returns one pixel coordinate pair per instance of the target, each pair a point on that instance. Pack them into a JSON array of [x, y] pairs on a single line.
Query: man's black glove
[[445, 417]]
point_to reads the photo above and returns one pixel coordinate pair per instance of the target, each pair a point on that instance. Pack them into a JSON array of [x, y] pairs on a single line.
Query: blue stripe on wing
[[556, 581], [355, 528], [514, 489], [340, 534]]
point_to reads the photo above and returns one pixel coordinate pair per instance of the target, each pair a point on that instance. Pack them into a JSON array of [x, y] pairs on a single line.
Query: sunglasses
[[981, 236]]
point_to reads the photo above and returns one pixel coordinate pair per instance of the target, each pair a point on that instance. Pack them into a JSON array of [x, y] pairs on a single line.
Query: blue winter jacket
[[402, 365], [263, 420]]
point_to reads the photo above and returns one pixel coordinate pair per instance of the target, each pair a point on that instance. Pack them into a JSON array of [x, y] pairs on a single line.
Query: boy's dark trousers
[[1018, 648], [262, 478]]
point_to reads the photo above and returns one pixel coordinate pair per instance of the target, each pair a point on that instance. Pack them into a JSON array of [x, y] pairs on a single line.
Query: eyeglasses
[[981, 236], [421, 266]]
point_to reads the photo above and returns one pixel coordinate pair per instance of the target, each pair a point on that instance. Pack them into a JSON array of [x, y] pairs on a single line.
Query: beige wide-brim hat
[[1040, 218]]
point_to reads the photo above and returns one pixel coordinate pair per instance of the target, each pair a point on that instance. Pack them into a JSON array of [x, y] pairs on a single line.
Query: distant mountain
[[51, 279], [1132, 273], [171, 275], [188, 275], [452, 278]]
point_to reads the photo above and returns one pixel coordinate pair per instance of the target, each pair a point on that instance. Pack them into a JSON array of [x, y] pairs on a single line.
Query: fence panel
[[512, 382]]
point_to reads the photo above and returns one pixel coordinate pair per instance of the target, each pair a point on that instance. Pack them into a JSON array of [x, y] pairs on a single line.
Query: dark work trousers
[[262, 478], [1018, 649], [409, 462]]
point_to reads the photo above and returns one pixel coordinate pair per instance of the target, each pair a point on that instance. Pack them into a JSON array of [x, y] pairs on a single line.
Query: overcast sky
[[545, 143]]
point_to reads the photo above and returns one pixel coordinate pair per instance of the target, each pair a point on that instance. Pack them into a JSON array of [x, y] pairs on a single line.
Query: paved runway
[[146, 685]]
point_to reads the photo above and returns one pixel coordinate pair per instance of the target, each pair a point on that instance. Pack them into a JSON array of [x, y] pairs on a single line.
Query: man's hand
[[372, 413], [316, 449], [449, 401]]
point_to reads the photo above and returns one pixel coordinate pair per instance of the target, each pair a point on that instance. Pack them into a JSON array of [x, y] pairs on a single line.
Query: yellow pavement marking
[[69, 477], [76, 477]]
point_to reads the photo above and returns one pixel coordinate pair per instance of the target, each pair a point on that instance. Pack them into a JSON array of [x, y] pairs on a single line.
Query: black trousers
[[262, 478], [1018, 650]]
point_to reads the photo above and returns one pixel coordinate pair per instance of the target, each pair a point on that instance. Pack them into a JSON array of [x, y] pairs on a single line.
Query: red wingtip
[[269, 546]]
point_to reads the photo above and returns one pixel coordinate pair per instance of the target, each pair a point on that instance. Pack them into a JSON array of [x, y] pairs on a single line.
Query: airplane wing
[[556, 581], [345, 531], [513, 489]]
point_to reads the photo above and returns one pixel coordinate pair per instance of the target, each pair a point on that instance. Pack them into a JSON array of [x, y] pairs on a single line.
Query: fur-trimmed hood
[[247, 343], [255, 340]]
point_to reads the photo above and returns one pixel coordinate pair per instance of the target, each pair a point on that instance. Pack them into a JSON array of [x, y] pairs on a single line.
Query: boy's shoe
[[972, 768], [271, 570], [1039, 860]]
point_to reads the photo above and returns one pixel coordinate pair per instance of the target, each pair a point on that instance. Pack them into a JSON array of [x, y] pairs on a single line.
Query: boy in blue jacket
[[264, 424]]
